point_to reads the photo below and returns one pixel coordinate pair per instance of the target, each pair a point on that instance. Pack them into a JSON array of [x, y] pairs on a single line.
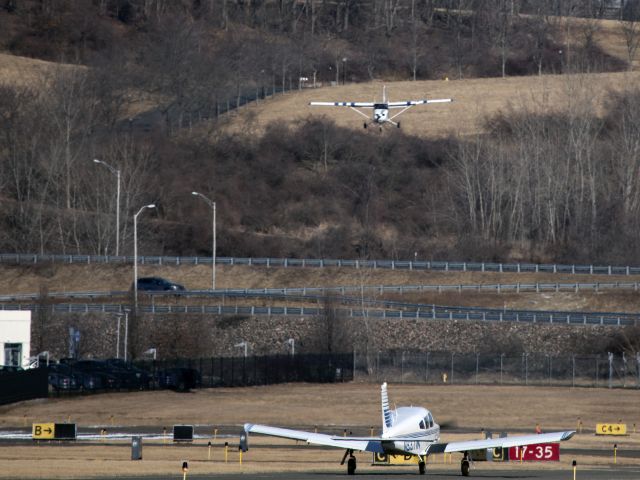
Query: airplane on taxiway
[[405, 431], [381, 109]]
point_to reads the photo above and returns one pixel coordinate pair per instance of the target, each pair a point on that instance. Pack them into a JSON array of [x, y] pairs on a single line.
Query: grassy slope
[[57, 278]]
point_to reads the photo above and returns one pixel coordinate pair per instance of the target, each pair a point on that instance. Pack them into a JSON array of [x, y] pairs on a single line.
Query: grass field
[[75, 278], [303, 405], [474, 101]]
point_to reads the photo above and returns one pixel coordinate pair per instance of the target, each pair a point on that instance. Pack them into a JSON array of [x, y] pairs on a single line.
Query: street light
[[118, 315], [212, 204], [344, 70], [117, 174], [135, 260], [126, 331]]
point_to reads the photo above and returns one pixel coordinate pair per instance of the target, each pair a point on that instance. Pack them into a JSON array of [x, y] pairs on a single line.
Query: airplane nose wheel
[[422, 467]]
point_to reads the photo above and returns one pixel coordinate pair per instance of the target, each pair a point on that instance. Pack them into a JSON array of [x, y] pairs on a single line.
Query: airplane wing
[[365, 444], [343, 104], [504, 442], [409, 103]]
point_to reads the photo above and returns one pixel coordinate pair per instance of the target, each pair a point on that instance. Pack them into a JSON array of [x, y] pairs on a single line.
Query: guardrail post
[[501, 268], [609, 269]]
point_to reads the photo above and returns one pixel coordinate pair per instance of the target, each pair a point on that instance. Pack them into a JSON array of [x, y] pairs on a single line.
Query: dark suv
[[158, 284]]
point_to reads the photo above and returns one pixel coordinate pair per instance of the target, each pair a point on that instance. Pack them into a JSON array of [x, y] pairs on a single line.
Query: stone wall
[[205, 336]]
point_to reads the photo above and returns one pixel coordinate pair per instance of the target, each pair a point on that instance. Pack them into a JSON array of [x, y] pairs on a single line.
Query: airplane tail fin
[[387, 418], [384, 94]]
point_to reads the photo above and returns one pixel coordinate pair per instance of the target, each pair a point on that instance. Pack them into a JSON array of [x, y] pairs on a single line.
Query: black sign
[[183, 433]]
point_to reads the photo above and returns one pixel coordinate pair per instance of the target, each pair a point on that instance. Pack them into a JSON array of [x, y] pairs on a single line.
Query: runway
[[433, 474]]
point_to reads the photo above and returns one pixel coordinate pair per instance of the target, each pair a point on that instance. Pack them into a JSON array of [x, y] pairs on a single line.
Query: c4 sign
[[611, 429]]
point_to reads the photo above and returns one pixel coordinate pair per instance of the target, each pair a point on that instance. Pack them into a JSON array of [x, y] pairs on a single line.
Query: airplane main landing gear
[[351, 463], [351, 466], [464, 465], [422, 467]]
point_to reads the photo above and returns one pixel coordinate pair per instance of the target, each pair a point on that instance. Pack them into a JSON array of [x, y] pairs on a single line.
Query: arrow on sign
[[48, 430]]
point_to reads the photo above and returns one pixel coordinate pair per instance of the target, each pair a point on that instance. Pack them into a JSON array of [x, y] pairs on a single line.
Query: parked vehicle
[[180, 379], [157, 284], [135, 378], [10, 368], [61, 378], [109, 377]]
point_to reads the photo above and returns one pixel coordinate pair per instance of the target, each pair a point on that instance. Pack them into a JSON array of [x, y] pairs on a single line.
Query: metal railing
[[428, 314], [306, 295], [23, 258], [595, 287]]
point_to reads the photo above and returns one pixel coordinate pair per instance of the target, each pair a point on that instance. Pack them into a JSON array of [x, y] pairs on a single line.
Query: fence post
[[501, 358], [451, 380], [426, 377], [477, 366], [573, 370], [402, 367], [610, 355]]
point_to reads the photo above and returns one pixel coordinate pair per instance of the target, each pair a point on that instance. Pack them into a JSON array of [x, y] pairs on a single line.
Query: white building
[[15, 337]]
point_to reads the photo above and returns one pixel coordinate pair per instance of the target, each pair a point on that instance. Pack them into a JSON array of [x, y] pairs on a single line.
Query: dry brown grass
[[474, 101], [302, 405], [71, 278], [339, 405]]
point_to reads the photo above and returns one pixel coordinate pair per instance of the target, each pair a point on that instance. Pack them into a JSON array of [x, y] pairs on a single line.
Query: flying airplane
[[405, 430], [381, 109]]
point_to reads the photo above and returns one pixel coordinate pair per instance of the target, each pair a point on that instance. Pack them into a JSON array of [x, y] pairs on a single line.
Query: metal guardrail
[[343, 290], [309, 295], [502, 316], [23, 258]]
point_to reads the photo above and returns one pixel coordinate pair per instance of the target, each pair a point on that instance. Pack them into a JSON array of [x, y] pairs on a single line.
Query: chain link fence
[[609, 370]]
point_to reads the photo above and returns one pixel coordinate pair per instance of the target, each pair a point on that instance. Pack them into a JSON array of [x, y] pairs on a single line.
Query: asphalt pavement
[[432, 474]]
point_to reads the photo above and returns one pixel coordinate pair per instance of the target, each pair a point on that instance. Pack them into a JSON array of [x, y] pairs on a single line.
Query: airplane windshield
[[380, 106], [422, 425]]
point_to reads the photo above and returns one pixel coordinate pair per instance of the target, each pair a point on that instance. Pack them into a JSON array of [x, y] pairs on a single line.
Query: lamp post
[[212, 204], [344, 70], [118, 315], [126, 331], [117, 174], [135, 261]]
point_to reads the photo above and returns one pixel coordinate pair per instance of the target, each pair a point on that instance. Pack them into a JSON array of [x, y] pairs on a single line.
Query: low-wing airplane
[[381, 109], [405, 430]]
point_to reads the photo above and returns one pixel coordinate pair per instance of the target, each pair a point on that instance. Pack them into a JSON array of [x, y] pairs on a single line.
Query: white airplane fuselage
[[415, 423], [380, 113]]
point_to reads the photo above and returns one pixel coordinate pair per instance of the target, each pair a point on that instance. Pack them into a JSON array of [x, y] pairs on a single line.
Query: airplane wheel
[[365, 125], [398, 124], [464, 467], [422, 467], [351, 466]]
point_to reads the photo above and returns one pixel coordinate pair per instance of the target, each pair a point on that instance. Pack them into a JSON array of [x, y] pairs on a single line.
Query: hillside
[[475, 100], [294, 181]]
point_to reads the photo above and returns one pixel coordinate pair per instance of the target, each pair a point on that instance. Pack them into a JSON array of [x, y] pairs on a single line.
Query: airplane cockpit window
[[422, 425], [430, 420]]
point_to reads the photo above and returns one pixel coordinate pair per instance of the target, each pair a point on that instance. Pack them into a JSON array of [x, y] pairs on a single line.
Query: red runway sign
[[543, 452]]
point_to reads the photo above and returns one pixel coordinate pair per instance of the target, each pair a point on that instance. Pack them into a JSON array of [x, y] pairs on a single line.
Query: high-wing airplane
[[381, 109], [405, 430]]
